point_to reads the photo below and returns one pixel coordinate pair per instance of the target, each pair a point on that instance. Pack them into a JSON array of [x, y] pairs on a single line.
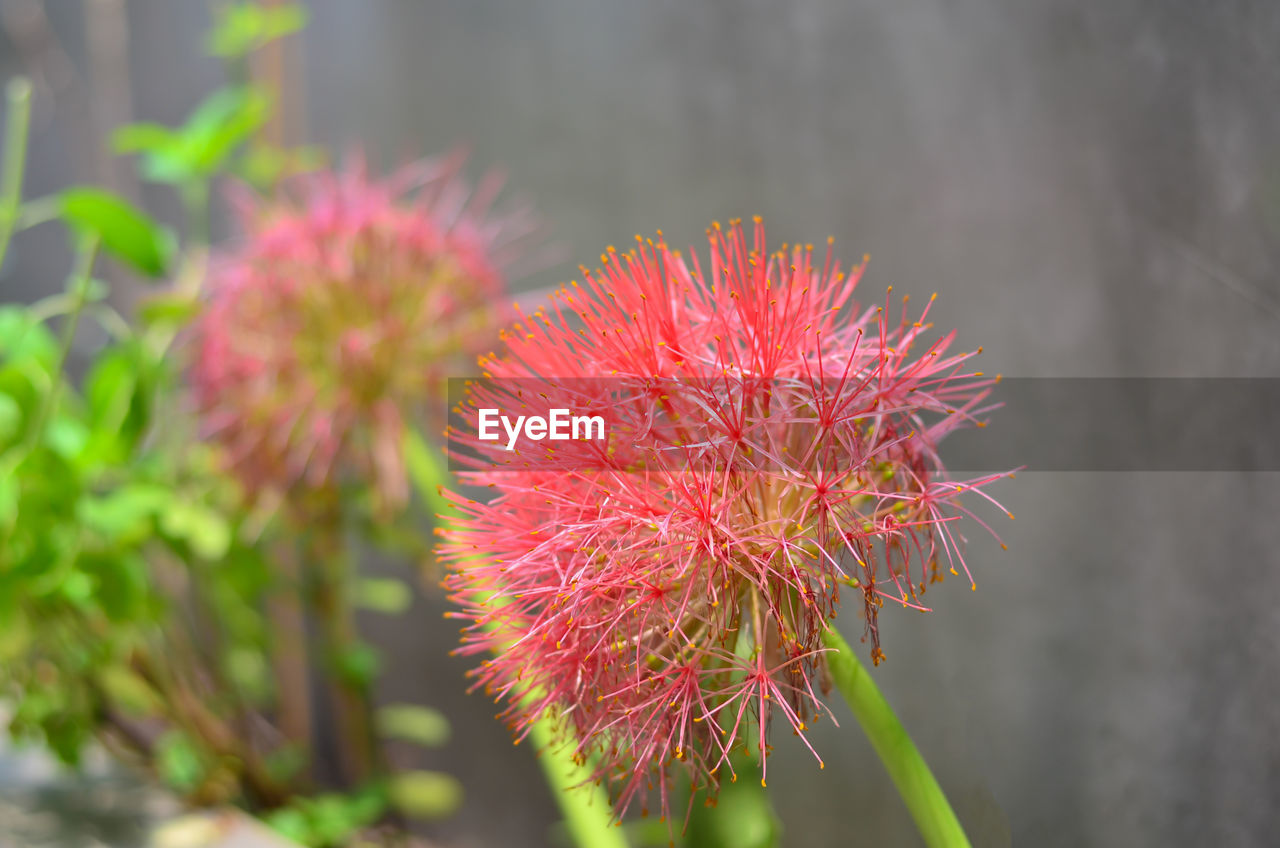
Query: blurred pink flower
[[662, 590], [338, 315]]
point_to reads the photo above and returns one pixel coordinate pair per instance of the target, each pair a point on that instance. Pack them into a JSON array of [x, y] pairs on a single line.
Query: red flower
[[769, 442], [338, 316]]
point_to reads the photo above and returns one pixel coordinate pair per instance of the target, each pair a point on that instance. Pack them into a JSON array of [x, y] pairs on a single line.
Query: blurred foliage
[[413, 723], [330, 818], [202, 146], [425, 794], [123, 231], [242, 28], [136, 584], [116, 531]]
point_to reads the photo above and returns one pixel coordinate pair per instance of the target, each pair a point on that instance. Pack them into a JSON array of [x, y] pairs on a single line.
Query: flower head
[[338, 314], [771, 445]]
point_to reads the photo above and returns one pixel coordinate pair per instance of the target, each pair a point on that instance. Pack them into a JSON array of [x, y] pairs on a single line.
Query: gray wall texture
[[1093, 189]]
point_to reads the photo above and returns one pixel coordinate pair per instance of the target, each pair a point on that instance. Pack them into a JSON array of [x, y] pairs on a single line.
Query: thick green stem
[[916, 784], [742, 815], [587, 812], [585, 806], [17, 121], [588, 815]]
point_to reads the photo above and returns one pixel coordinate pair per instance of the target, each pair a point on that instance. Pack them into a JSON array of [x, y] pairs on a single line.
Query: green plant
[[139, 589]]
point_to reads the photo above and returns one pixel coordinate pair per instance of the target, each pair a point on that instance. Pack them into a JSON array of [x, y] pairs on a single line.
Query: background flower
[[338, 315]]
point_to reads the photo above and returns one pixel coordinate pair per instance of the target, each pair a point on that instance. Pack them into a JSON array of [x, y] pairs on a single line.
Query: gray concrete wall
[[1093, 188]]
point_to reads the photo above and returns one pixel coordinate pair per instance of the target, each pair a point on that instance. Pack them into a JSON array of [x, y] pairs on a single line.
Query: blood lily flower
[[771, 445], [338, 315]]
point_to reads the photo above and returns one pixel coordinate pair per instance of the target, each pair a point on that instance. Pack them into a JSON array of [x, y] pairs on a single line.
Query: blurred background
[[1093, 189]]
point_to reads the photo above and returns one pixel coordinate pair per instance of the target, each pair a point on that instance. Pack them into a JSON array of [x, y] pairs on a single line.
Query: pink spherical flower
[[769, 442], [338, 315]]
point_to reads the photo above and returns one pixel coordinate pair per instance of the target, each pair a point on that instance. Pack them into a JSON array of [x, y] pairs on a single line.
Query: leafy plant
[[242, 28], [140, 592]]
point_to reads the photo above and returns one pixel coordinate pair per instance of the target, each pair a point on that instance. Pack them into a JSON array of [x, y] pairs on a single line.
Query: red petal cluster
[[337, 316], [770, 443]]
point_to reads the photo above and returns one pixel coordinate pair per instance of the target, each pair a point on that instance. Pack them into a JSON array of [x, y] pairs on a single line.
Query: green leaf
[[247, 669], [23, 338], [385, 595], [125, 689], [77, 588], [421, 725], [143, 138], [246, 27], [425, 794], [358, 664], [291, 823], [335, 817], [125, 232], [207, 532], [330, 818], [10, 492], [66, 734], [200, 147], [221, 123], [109, 386], [66, 437], [27, 384], [162, 149], [10, 419], [119, 390], [170, 309], [124, 514], [179, 762], [264, 165]]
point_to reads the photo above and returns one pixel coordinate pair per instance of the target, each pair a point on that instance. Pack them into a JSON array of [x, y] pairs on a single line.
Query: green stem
[[584, 805], [195, 202], [78, 289], [742, 815], [38, 211], [916, 784], [587, 812], [17, 122]]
